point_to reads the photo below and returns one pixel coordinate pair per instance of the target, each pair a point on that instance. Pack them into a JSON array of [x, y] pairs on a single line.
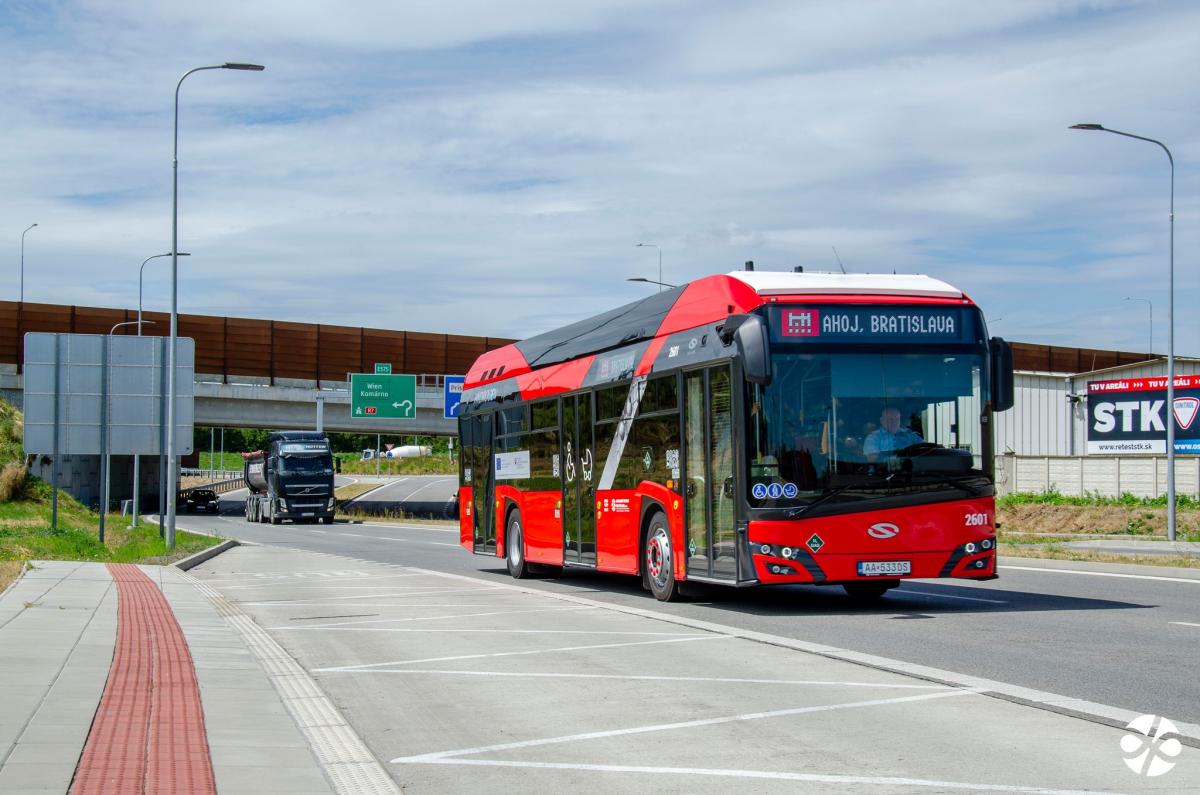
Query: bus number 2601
[[976, 519]]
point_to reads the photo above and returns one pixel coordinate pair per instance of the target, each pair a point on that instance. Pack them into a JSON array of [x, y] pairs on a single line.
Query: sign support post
[[57, 389], [103, 433]]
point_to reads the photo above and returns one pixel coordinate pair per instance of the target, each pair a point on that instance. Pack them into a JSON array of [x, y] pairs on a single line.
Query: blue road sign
[[451, 395]]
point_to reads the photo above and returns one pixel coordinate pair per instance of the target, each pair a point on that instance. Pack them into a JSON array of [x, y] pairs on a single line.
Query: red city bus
[[743, 429]]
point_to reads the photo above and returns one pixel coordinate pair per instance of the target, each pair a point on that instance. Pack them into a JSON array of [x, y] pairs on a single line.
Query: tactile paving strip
[[348, 764], [148, 734]]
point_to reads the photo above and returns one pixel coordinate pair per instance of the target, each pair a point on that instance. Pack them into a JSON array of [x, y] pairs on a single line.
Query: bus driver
[[889, 437]]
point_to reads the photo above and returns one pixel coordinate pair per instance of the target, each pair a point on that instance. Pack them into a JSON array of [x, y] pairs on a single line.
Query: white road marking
[[358, 668], [645, 677], [906, 591], [572, 608], [489, 631], [370, 596], [687, 724], [405, 605], [813, 778], [1007, 567], [412, 494], [1105, 714], [430, 528], [413, 541], [302, 582], [353, 535], [1185, 624]]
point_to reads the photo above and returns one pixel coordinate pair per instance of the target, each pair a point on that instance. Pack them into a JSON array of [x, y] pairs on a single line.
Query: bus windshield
[[865, 422]]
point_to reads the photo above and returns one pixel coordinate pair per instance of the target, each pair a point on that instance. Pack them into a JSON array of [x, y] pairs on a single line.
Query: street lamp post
[[171, 483], [137, 460], [654, 245], [1170, 326], [1150, 304], [31, 226], [651, 281]]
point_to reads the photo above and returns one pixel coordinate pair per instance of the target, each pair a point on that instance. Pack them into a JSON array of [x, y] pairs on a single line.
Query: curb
[[205, 554], [26, 565]]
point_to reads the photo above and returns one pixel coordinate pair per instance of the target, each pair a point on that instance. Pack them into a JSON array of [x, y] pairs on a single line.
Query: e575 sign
[[1131, 415]]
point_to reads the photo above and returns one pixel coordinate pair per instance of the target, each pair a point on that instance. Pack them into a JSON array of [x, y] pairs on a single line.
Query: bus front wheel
[[514, 543], [869, 591], [659, 560]]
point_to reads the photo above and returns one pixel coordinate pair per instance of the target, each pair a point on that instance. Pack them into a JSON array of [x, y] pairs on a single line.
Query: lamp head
[[1087, 127], [245, 67]]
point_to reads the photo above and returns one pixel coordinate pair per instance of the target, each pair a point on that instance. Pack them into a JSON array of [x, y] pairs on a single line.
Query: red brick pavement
[[148, 735]]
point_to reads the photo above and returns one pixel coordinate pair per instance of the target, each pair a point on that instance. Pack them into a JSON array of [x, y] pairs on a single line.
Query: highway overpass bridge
[[253, 373]]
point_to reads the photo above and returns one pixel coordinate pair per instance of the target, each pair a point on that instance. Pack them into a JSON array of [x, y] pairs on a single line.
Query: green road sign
[[383, 396], [383, 368]]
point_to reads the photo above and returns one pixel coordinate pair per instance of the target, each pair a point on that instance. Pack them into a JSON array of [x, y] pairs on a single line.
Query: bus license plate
[[883, 568]]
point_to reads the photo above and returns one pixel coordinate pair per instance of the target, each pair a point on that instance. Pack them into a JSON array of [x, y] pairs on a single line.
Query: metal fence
[[1106, 476], [268, 349]]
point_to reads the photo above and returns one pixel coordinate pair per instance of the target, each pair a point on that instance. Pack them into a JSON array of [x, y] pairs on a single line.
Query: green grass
[[1126, 500], [227, 461], [429, 465], [25, 533]]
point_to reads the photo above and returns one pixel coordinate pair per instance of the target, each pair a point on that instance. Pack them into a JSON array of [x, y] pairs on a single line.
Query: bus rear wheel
[[659, 560], [514, 544], [869, 591]]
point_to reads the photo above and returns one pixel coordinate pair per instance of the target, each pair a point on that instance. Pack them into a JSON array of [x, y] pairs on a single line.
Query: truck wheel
[[659, 560], [514, 542]]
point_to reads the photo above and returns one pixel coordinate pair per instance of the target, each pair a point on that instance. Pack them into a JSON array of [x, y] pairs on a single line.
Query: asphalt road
[[421, 496], [1127, 637]]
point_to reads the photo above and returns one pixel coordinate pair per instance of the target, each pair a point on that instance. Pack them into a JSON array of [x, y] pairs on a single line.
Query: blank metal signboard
[[134, 393]]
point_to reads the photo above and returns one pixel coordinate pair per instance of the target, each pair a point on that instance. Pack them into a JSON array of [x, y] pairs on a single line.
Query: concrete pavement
[[493, 686], [58, 630]]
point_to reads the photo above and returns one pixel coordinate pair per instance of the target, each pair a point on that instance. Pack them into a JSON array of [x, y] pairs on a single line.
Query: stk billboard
[[1129, 416]]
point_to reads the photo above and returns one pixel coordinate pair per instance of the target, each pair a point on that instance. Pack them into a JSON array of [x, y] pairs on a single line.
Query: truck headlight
[[330, 505], [282, 504]]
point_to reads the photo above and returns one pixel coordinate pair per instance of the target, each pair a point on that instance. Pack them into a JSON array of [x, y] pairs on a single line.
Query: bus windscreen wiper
[[959, 483], [796, 513]]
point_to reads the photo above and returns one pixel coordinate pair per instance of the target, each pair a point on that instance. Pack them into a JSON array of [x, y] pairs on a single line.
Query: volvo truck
[[292, 479]]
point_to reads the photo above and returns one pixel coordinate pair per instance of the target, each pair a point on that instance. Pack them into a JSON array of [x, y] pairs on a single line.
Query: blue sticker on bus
[[775, 491], [790, 491], [759, 491]]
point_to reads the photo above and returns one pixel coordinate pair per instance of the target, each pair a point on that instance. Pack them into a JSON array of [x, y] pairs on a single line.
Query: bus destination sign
[[834, 323]]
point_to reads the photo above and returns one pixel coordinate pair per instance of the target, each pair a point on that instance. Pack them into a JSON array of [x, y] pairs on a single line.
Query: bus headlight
[[986, 543], [970, 548]]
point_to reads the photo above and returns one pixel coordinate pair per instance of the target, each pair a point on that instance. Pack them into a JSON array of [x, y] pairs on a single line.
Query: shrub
[[12, 481]]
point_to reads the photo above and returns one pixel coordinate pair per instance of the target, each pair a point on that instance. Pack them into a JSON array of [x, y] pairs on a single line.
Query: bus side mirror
[[750, 333], [1002, 374]]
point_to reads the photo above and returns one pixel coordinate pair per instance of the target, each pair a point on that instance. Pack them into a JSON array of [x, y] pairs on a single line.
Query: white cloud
[[477, 169]]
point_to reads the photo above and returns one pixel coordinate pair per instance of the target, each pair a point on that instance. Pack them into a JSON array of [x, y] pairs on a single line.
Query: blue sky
[[487, 168]]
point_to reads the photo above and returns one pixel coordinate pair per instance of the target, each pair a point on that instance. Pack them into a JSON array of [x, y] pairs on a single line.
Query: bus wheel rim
[[658, 556], [514, 543]]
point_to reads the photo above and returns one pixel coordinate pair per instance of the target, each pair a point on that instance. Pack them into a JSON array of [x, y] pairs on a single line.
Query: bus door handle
[[727, 488]]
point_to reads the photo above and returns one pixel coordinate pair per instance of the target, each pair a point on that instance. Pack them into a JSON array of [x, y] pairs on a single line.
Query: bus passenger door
[[709, 474], [579, 472], [570, 481], [483, 486]]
